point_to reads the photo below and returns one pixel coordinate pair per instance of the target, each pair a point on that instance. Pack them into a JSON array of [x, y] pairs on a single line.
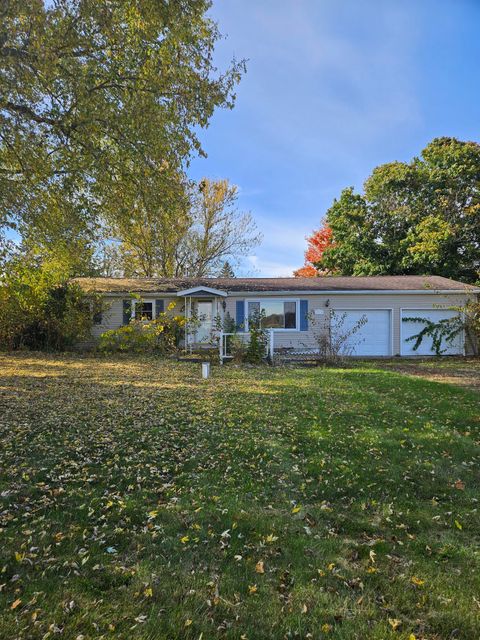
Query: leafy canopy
[[317, 242], [158, 241], [101, 103], [420, 217]]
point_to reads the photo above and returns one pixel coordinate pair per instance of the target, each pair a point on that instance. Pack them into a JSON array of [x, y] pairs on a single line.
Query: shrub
[[161, 335], [334, 340], [257, 345], [237, 347], [255, 351], [242, 350], [41, 309]]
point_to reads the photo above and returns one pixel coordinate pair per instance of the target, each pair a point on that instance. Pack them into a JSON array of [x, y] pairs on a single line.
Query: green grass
[[137, 501]]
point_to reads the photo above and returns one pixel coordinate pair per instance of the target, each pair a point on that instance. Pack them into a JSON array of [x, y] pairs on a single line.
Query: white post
[[271, 345], [220, 346], [205, 370]]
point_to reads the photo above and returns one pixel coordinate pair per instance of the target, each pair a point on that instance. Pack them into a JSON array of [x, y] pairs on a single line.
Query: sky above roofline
[[332, 90]]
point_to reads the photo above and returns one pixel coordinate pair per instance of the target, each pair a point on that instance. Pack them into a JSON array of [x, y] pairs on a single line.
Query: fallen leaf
[[271, 538], [259, 568], [394, 623], [16, 604]]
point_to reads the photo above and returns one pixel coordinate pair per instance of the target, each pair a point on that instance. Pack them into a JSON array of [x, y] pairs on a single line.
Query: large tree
[[98, 100], [191, 240], [420, 217]]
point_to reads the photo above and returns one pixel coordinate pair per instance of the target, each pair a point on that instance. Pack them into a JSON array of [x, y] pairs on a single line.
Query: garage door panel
[[410, 329], [372, 339]]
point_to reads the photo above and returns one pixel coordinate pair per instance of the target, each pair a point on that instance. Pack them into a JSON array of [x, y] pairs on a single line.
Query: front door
[[205, 319]]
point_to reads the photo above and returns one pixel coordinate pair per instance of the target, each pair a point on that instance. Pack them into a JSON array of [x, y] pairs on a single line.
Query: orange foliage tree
[[316, 245]]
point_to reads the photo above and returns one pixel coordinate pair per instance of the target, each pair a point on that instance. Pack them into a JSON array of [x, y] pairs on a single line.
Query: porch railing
[[224, 346]]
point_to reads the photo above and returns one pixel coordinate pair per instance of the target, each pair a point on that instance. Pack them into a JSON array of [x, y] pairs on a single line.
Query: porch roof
[[198, 291]]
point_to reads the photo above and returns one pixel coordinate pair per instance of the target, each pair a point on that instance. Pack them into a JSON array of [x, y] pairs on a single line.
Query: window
[[276, 314], [143, 310]]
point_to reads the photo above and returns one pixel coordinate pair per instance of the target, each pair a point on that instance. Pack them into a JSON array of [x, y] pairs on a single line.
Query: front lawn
[[141, 502], [464, 372]]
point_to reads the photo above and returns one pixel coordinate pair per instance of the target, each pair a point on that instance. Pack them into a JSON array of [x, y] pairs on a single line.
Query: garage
[[408, 329], [373, 338]]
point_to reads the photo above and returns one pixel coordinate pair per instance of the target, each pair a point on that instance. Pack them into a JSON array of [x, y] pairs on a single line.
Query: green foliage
[[256, 349], [441, 332], [101, 104], [166, 239], [226, 271], [470, 312], [41, 309], [421, 217], [228, 325], [251, 347], [161, 336]]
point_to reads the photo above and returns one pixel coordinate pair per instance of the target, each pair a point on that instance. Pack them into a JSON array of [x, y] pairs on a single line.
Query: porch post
[[187, 317]]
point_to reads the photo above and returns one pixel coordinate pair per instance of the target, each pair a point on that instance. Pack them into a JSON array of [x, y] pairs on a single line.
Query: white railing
[[225, 353]]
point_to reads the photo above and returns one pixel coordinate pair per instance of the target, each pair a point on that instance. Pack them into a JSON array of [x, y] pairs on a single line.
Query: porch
[[204, 315]]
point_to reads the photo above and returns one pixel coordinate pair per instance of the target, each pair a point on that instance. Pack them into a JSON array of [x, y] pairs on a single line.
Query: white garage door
[[408, 329], [373, 338]]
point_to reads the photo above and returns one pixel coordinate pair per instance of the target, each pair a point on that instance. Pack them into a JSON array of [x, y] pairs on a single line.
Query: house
[[293, 308]]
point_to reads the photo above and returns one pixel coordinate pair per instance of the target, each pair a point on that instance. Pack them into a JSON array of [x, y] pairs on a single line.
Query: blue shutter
[[159, 307], [240, 315], [303, 315], [127, 311]]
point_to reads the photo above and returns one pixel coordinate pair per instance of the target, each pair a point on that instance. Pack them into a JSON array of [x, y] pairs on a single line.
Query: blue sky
[[334, 88]]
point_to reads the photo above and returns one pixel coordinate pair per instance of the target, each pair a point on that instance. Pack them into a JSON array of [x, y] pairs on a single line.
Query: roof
[[232, 285]]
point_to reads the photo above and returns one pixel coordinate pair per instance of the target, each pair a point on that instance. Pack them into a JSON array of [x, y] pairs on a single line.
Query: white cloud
[[260, 267], [325, 72]]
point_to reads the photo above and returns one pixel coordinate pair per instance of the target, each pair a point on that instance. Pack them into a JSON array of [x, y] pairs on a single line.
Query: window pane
[[290, 315], [274, 315], [145, 311], [253, 311]]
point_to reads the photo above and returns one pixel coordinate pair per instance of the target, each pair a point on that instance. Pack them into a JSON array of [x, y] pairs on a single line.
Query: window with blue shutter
[[240, 315], [303, 315], [159, 307], [127, 311]]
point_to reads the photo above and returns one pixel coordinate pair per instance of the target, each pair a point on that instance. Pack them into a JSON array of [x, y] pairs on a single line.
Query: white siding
[[395, 302], [113, 317]]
